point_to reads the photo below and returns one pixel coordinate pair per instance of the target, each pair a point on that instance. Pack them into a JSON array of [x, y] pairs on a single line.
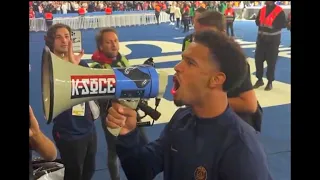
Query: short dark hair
[[99, 35], [201, 10], [51, 34], [228, 55], [213, 18]]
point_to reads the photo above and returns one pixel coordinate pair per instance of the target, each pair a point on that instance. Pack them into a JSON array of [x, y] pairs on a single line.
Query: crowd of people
[[64, 7]]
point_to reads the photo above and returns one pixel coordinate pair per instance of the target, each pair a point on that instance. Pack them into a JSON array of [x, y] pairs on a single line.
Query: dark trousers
[[49, 23], [78, 156], [113, 163], [230, 27], [178, 22], [157, 16], [266, 51], [185, 24], [171, 17]]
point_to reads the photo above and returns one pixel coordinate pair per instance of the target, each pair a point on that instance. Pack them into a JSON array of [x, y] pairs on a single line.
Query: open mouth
[[176, 85]]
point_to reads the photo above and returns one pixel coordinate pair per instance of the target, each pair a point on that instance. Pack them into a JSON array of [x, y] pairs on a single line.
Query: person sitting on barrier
[[206, 139], [48, 16], [81, 11], [108, 10], [106, 56], [39, 143], [73, 130]]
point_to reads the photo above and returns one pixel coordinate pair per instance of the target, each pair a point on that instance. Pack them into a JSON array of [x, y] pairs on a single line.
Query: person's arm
[[280, 21], [38, 141], [44, 146], [140, 160], [244, 161], [258, 18], [247, 100], [234, 16]]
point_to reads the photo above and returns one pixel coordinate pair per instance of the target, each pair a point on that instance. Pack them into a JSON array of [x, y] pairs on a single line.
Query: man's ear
[[217, 80]]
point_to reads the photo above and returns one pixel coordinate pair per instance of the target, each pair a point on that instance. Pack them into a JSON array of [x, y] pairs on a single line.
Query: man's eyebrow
[[189, 59], [58, 35]]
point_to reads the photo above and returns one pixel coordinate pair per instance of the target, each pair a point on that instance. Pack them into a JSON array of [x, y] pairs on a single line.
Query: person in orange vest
[[157, 9], [48, 16], [108, 10], [271, 19], [230, 17], [81, 11]]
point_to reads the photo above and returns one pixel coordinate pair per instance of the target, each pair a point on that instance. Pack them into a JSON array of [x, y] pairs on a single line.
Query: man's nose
[[113, 44], [178, 67], [65, 40]]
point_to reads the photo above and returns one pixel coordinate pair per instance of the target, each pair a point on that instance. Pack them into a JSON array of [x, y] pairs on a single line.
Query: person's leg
[[228, 27], [271, 58], [72, 154], [259, 60], [112, 159], [90, 159], [231, 28], [157, 17]]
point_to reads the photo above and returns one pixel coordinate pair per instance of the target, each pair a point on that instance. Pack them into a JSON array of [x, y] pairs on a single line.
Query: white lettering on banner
[[281, 93], [111, 83], [84, 86]]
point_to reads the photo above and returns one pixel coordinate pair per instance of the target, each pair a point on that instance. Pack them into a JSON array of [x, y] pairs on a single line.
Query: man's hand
[[34, 126], [121, 116], [74, 59]]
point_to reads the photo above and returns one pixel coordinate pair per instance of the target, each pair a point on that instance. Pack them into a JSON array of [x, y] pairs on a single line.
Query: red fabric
[[108, 11], [48, 16], [81, 11], [229, 12], [32, 14], [98, 56], [267, 21]]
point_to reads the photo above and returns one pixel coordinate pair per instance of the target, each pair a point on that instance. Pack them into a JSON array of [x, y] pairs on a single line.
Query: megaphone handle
[[133, 104]]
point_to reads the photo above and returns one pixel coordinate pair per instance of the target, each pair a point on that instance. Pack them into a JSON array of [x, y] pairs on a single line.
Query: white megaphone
[[65, 85]]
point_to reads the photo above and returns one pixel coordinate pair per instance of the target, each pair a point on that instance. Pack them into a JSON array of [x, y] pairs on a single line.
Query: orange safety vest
[[81, 11], [157, 8], [266, 22], [48, 16], [108, 11], [229, 12]]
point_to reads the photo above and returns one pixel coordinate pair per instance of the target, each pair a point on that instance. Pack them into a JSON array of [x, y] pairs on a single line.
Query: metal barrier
[[88, 22]]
